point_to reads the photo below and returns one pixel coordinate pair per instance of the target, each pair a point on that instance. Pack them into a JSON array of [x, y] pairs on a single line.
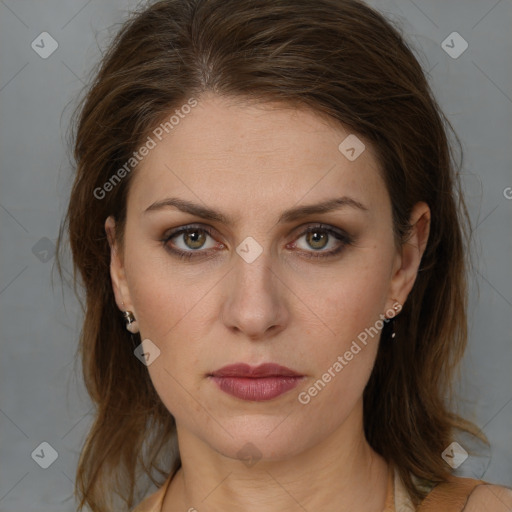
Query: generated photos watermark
[[151, 142], [363, 337]]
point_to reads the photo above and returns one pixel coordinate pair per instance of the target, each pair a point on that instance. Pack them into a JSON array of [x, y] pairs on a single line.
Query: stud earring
[[130, 322]]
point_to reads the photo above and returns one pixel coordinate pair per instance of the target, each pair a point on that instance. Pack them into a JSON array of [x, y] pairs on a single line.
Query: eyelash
[[344, 238]]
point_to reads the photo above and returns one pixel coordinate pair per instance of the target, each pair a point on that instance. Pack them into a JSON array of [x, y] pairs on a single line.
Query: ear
[[409, 256], [117, 271]]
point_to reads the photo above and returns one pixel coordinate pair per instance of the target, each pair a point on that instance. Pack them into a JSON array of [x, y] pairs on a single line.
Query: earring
[[391, 321], [392, 327], [130, 321]]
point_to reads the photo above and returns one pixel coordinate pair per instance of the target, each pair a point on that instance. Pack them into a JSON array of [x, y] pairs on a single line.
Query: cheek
[[347, 302], [346, 334], [163, 296], [174, 311], [342, 358], [167, 315]]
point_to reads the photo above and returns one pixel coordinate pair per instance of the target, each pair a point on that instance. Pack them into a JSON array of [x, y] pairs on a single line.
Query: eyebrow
[[290, 215]]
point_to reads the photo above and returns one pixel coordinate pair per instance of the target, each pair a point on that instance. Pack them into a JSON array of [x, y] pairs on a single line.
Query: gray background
[[41, 395]]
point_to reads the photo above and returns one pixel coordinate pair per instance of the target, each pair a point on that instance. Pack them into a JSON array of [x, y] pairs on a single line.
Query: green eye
[[194, 238]]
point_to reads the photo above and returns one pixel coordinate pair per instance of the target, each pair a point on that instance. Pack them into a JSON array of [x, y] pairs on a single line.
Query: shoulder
[[467, 495], [489, 498]]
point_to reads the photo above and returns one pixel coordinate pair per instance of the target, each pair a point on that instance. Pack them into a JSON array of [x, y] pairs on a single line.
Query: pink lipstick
[[255, 383]]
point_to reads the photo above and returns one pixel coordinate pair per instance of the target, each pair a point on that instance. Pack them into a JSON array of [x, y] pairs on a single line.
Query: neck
[[340, 474]]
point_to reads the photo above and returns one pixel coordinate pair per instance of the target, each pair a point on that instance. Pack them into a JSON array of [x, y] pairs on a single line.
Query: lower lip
[[256, 389]]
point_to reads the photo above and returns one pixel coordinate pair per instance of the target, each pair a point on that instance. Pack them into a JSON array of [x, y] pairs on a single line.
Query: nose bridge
[[254, 302], [253, 271]]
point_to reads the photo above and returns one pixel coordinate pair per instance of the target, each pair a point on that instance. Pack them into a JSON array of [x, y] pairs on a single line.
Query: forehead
[[233, 154]]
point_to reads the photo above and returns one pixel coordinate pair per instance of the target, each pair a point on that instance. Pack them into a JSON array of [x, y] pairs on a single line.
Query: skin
[[490, 498], [252, 162]]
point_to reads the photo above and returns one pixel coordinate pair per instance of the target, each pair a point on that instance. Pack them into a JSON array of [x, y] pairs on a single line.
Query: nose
[[257, 299]]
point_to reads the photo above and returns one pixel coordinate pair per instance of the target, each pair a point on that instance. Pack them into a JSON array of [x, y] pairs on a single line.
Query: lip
[[255, 383], [248, 371]]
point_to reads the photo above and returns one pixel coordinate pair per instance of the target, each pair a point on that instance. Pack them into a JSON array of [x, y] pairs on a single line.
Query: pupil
[[194, 236], [317, 236]]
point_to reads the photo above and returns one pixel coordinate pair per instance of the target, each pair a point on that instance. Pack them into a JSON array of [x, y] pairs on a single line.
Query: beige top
[[397, 499]]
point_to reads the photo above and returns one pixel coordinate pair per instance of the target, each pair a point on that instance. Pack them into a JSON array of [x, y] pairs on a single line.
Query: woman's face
[[250, 284]]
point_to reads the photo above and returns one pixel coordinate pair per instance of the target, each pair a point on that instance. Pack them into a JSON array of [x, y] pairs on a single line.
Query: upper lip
[[263, 370]]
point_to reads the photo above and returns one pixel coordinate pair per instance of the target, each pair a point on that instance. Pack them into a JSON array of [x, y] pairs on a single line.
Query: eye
[[189, 240], [320, 237], [192, 242]]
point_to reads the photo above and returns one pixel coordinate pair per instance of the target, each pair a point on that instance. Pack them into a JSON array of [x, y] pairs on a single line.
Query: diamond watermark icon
[[249, 249], [44, 45], [147, 352], [454, 455], [454, 45], [44, 455], [351, 147], [44, 249], [249, 454]]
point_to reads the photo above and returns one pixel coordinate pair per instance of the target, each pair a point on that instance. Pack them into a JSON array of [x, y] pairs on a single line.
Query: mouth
[[255, 383]]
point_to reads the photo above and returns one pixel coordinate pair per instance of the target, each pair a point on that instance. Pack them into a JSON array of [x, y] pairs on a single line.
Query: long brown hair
[[341, 59]]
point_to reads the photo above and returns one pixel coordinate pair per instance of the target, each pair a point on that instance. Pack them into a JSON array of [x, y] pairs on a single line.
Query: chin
[[258, 438]]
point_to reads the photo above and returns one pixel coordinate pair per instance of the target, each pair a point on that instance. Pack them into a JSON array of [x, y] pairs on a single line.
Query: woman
[[268, 228]]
